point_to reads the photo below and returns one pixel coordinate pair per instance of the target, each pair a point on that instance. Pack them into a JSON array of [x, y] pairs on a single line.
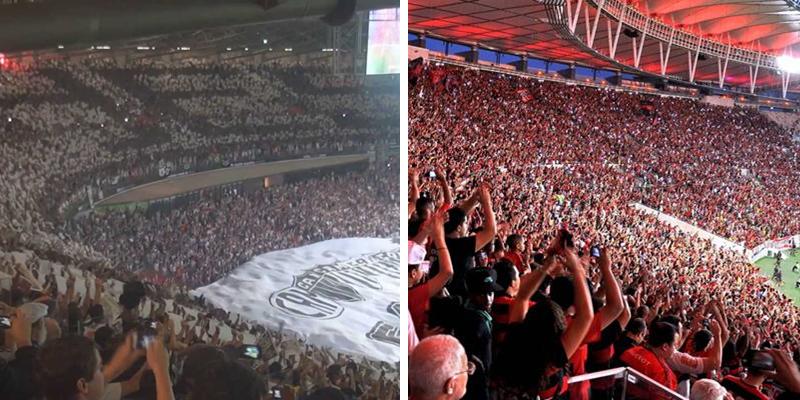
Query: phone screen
[[251, 351], [595, 251], [5, 322]]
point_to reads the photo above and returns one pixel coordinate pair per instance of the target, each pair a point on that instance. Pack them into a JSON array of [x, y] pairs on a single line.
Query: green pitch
[[767, 264]]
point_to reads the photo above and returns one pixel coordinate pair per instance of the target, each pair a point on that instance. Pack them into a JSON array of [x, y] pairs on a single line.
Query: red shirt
[[580, 390], [516, 259], [645, 361], [501, 314], [739, 389], [418, 301]]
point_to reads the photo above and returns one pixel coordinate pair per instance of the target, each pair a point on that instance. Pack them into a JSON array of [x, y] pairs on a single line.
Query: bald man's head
[[437, 369]]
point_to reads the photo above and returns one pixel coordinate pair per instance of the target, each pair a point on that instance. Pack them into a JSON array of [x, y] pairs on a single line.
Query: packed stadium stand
[[97, 299], [585, 224]]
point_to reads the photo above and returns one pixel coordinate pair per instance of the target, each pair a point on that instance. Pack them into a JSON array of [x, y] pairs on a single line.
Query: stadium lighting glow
[[789, 64], [246, 49], [227, 49], [287, 49], [265, 41], [142, 47], [103, 47], [61, 46], [9, 119]]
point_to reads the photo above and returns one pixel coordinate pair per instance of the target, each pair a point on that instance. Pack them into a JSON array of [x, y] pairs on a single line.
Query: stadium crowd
[[749, 192], [74, 131], [197, 244], [77, 329], [104, 123], [527, 251]]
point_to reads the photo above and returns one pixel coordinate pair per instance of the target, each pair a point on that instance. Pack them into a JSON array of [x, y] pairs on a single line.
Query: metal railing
[[628, 383]]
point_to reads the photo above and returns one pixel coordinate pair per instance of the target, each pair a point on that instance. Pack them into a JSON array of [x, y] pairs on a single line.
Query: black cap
[[760, 361], [482, 280]]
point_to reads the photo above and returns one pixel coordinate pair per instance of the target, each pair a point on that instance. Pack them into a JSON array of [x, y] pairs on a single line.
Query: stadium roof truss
[[303, 36], [713, 42]]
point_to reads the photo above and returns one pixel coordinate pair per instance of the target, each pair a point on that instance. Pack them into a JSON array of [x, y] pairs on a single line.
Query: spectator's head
[[533, 347], [197, 358], [457, 224], [674, 321], [70, 368], [562, 291], [95, 314], [227, 379], [702, 340], [417, 266], [641, 312], [481, 287], [132, 295], [335, 374], [636, 330], [507, 277], [515, 242], [498, 249], [759, 363], [438, 369], [707, 389], [663, 339], [425, 207]]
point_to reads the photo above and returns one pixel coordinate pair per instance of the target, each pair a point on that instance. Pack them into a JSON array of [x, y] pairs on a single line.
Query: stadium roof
[[749, 34], [26, 25]]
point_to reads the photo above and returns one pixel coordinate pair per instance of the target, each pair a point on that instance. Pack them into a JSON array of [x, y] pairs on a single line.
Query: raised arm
[[572, 338], [447, 194], [529, 284], [715, 359], [123, 358], [471, 202], [158, 360], [413, 177], [438, 281], [614, 306], [625, 316], [486, 235]]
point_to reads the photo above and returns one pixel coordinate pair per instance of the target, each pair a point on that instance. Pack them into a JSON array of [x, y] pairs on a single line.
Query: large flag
[[341, 293]]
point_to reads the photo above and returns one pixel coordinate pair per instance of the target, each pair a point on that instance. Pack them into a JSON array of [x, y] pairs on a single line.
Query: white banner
[[341, 293]]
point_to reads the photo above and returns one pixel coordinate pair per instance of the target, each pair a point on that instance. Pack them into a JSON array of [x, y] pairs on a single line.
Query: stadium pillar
[[522, 65], [358, 54], [570, 72], [723, 68], [473, 54]]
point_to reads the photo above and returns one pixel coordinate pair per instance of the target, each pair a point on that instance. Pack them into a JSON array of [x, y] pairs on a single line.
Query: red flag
[[525, 95]]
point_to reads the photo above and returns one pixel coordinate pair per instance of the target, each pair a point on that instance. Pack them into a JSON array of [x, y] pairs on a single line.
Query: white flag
[[342, 293]]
